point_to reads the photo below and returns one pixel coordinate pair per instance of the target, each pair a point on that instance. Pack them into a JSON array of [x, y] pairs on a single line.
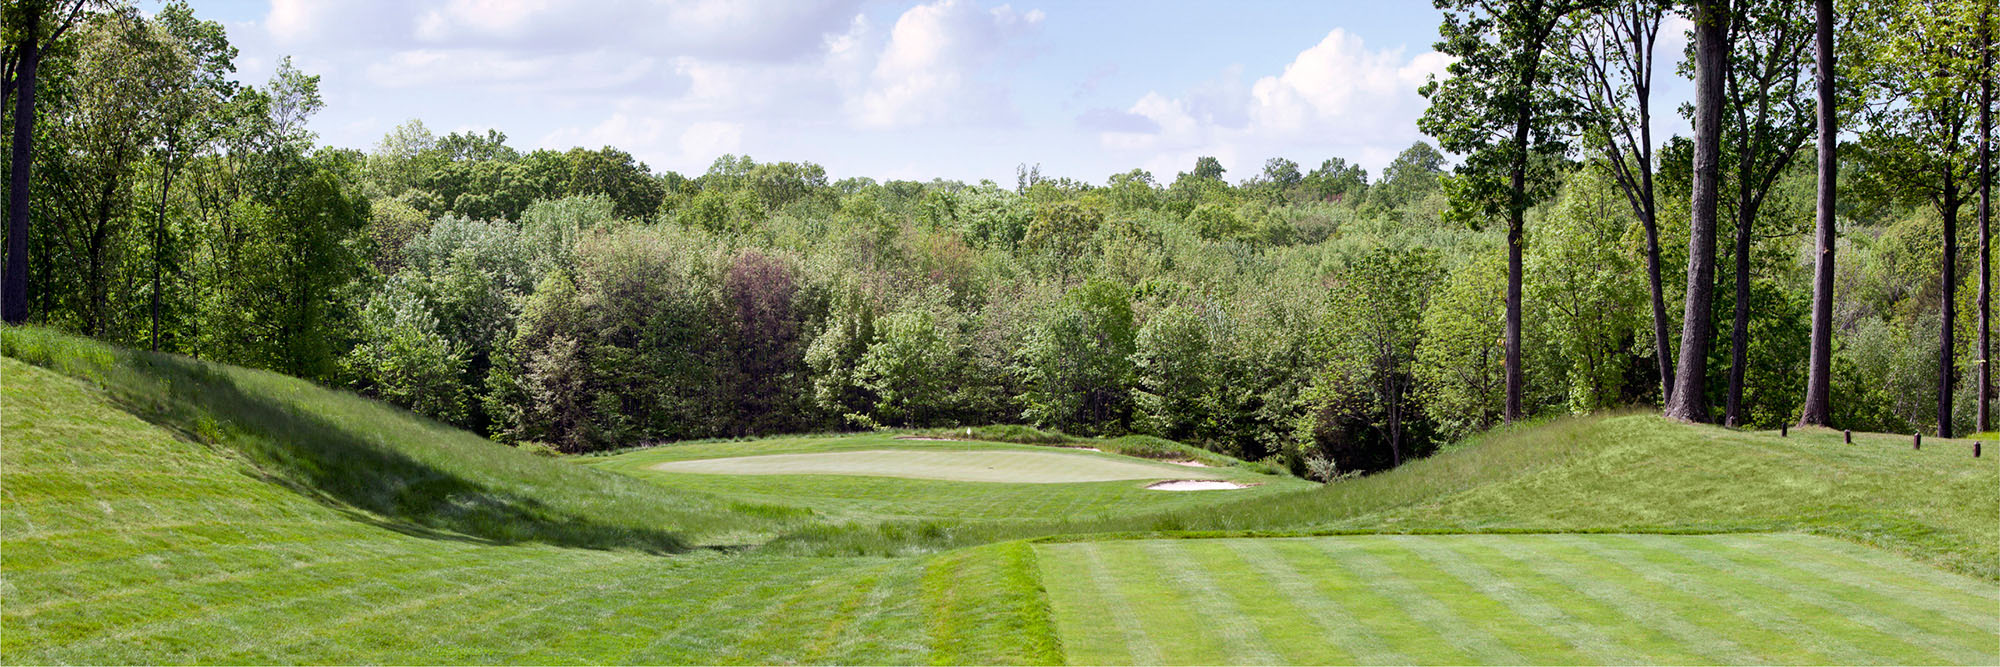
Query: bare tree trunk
[[1948, 313], [1739, 332], [1985, 216], [1818, 409], [159, 239], [1690, 400], [14, 285]]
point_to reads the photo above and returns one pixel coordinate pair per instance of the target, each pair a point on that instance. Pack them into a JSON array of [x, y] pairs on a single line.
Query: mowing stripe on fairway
[[1230, 620], [1091, 602], [1386, 618], [1594, 646], [1344, 638], [1420, 589], [1869, 564], [1712, 595], [1942, 637], [1553, 599], [1635, 597]]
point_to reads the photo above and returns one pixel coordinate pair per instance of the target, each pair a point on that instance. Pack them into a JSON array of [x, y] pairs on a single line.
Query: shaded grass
[[128, 544], [1541, 599], [381, 463]]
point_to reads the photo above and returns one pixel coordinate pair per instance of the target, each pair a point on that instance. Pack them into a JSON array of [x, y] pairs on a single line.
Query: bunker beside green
[[1513, 599], [984, 465]]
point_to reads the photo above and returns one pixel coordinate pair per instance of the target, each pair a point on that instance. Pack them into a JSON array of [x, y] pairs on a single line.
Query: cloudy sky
[[961, 89]]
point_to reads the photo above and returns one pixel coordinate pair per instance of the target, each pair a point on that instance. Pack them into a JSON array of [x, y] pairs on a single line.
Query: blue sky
[[959, 89]]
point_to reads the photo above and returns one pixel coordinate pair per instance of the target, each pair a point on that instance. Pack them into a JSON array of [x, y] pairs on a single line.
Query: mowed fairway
[[958, 466], [1513, 599]]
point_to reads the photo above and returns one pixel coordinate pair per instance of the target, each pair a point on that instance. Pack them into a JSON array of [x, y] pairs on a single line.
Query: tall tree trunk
[[1517, 241], [1948, 313], [1985, 216], [1690, 400], [1662, 348], [1739, 331], [14, 285], [159, 239], [1818, 409]]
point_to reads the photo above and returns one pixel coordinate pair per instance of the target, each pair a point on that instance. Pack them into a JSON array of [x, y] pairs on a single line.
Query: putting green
[[952, 465], [1514, 599]]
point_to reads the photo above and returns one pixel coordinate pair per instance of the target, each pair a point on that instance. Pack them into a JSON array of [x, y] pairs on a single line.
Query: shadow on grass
[[334, 463]]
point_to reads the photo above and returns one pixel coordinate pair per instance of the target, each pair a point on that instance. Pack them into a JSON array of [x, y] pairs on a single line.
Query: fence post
[[1916, 441], [1850, 436]]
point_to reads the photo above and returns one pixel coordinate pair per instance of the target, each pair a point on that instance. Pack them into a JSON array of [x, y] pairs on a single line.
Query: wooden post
[[1784, 431], [1850, 437], [1916, 441], [1975, 449]]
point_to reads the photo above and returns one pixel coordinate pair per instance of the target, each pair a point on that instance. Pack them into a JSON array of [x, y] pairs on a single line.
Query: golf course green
[[157, 509]]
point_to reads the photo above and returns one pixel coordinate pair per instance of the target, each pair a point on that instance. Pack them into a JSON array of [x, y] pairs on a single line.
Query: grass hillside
[[160, 509], [389, 465]]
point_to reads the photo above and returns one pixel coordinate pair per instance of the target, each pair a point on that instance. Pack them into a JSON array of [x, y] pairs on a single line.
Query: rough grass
[[1513, 599]]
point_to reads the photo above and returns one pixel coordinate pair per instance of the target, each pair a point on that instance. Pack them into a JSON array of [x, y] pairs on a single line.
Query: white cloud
[[1336, 96], [711, 139], [929, 70]]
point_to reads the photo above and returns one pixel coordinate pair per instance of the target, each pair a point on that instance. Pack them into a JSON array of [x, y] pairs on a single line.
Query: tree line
[[580, 300]]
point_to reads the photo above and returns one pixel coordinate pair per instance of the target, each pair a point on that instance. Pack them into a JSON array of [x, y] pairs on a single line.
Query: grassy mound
[[388, 464]]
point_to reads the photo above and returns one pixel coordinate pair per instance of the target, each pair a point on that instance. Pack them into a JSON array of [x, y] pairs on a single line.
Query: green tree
[[1459, 364], [1078, 364], [1586, 291], [1497, 109], [1712, 19], [1175, 364], [1370, 338], [1413, 174], [917, 366], [1613, 56], [1767, 119], [1920, 78], [28, 28]]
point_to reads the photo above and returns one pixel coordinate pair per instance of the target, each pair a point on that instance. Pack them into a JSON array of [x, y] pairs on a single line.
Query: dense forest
[[1544, 254]]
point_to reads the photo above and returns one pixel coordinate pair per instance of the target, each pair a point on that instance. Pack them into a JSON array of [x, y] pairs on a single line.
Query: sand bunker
[[1191, 463], [1195, 485], [1027, 467]]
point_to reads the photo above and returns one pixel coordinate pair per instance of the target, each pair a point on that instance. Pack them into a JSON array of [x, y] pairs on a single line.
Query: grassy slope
[[1513, 599], [128, 544], [390, 464]]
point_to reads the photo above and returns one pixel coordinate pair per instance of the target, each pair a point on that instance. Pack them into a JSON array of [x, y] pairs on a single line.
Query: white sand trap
[[925, 438], [1191, 463], [1027, 467], [1195, 485]]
